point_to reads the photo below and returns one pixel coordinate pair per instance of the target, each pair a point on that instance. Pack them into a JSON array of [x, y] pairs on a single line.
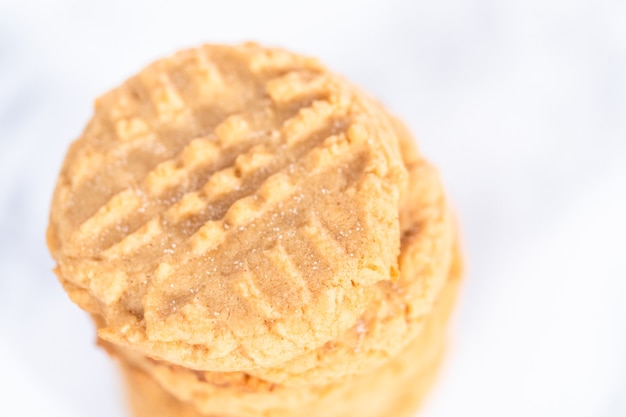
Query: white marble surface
[[522, 104]]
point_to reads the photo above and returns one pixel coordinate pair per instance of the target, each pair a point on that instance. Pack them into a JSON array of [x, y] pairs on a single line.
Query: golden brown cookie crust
[[229, 208]]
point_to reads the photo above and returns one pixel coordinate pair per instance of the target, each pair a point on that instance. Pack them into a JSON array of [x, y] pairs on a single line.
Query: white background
[[522, 105]]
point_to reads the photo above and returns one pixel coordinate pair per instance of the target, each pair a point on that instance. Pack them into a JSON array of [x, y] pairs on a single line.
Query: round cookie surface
[[229, 208]]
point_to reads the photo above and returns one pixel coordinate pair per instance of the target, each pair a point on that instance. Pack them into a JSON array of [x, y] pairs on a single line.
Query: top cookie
[[229, 208]]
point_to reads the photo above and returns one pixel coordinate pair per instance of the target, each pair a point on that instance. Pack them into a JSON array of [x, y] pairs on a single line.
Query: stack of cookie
[[255, 236]]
